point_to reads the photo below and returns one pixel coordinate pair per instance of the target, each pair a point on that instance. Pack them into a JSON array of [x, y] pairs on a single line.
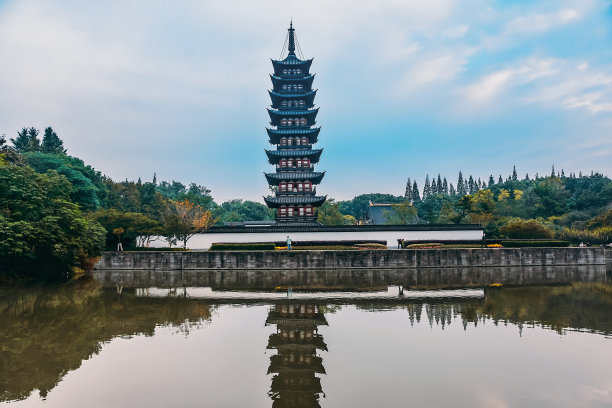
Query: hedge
[[242, 246], [523, 244], [347, 243]]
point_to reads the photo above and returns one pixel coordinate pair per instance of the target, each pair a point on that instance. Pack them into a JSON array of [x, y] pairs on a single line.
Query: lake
[[99, 344]]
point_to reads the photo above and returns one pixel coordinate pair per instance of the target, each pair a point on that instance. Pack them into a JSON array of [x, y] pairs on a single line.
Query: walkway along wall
[[369, 259]]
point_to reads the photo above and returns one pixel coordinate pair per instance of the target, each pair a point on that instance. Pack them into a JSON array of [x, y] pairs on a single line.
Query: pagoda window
[[282, 186], [298, 141], [307, 186], [298, 163], [304, 140], [284, 104], [289, 142], [283, 163], [298, 71], [309, 210], [282, 212], [303, 122], [283, 141], [290, 212], [301, 104], [306, 163], [302, 211], [289, 163], [283, 122], [285, 87], [300, 187], [290, 187]]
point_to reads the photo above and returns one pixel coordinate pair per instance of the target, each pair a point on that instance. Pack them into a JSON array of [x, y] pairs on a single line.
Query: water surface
[[109, 345]]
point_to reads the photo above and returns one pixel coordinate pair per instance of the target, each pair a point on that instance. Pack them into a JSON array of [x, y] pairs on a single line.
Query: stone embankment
[[367, 259]]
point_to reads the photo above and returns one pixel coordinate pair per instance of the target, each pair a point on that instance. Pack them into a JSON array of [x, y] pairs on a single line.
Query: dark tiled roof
[[377, 213], [293, 112], [313, 153], [274, 202], [275, 178]]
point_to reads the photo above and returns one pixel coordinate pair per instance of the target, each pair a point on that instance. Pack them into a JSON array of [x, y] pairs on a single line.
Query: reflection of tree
[[48, 332], [296, 364]]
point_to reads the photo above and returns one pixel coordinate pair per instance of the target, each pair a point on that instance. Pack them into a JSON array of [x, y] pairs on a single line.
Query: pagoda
[[293, 133], [295, 382]]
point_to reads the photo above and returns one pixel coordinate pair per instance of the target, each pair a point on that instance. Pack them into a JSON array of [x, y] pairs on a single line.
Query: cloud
[[533, 23]]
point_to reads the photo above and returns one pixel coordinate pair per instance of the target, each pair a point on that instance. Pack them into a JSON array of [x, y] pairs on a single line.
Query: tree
[[402, 214], [503, 194], [514, 175], [471, 185], [408, 193], [444, 187], [426, 187], [452, 190], [27, 140], [415, 192], [138, 229], [183, 220], [491, 181], [547, 197], [3, 142], [329, 213], [439, 186], [500, 180], [460, 185], [51, 143], [447, 214], [43, 235]]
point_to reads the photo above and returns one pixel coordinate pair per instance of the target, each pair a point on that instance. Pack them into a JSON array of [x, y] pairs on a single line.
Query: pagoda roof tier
[[276, 115], [276, 134], [278, 364], [292, 62], [305, 81], [275, 178], [276, 202], [275, 341], [275, 155], [282, 383], [277, 98]]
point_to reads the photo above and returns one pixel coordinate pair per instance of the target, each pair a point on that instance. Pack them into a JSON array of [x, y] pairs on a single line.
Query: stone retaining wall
[[370, 259]]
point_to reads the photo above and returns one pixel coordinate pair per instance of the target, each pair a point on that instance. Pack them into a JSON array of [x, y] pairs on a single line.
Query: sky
[[405, 88]]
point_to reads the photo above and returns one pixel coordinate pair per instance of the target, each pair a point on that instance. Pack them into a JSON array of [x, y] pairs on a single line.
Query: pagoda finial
[[291, 38]]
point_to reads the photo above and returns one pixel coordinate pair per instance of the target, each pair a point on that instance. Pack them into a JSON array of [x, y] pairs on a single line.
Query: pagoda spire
[[291, 38]]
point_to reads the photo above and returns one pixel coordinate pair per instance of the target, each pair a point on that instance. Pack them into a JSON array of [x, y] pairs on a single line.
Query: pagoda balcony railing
[[298, 218], [280, 193], [300, 146], [294, 168]]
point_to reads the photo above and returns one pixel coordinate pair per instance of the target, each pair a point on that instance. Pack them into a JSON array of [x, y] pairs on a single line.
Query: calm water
[[102, 344]]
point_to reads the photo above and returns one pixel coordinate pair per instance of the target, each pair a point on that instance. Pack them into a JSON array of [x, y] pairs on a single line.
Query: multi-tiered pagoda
[[293, 133]]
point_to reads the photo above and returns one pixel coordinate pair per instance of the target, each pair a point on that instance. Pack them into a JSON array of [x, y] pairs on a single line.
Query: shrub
[[527, 244], [370, 245], [425, 245], [526, 229], [242, 246]]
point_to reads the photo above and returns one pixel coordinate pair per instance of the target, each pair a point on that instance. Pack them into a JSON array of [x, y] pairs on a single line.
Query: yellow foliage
[[518, 194], [503, 194]]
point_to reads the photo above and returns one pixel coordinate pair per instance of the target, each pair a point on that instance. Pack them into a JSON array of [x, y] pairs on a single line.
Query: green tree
[[27, 140], [51, 143], [447, 214], [401, 214], [329, 213], [42, 234], [526, 229]]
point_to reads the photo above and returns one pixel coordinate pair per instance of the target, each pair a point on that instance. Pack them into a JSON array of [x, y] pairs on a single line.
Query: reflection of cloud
[[492, 401], [591, 393]]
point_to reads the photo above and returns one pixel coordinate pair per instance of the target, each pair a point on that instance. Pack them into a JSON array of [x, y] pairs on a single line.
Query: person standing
[[288, 242]]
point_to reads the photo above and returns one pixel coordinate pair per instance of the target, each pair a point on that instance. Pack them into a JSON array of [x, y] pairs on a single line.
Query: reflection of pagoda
[[297, 340]]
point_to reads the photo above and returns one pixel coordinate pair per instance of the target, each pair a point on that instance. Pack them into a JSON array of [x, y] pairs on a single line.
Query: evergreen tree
[[452, 190], [51, 143], [580, 174], [426, 187], [445, 187], [500, 180], [526, 176], [471, 185], [460, 186], [562, 173], [154, 179], [408, 193], [439, 185], [415, 192], [434, 187], [514, 175], [491, 180], [552, 173], [27, 140]]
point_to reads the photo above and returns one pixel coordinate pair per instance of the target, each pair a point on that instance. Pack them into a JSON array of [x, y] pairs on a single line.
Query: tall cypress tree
[[27, 140], [51, 143], [439, 185], [408, 193], [526, 176], [460, 187], [426, 187], [471, 186], [415, 192], [514, 175], [491, 180], [452, 190], [445, 187], [434, 187], [500, 180], [552, 173]]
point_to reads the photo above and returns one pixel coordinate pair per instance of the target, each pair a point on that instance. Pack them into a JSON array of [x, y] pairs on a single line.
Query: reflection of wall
[[295, 366], [354, 279]]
